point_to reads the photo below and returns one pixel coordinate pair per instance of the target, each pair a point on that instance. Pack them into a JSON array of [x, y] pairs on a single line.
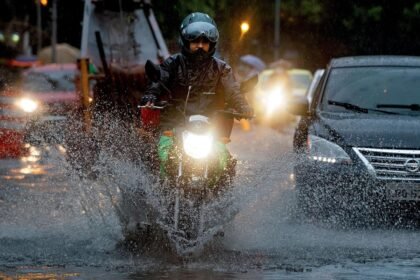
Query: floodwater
[[55, 225]]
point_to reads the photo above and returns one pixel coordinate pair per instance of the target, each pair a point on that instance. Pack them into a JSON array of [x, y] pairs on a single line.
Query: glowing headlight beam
[[197, 146], [274, 100], [27, 105]]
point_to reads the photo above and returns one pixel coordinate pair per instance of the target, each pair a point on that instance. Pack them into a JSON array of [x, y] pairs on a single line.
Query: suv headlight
[[323, 150]]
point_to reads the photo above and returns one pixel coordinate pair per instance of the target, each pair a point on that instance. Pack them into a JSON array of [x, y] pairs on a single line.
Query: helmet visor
[[196, 30]]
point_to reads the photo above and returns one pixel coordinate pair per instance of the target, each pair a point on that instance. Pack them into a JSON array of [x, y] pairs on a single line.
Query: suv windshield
[[38, 82], [394, 89]]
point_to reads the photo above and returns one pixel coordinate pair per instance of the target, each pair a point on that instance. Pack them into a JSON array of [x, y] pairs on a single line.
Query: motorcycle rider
[[199, 82]]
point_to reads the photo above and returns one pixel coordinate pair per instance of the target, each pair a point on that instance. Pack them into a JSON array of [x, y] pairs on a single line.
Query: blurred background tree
[[312, 31]]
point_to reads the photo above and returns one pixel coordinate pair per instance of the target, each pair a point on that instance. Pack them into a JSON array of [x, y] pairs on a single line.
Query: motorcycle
[[195, 169]]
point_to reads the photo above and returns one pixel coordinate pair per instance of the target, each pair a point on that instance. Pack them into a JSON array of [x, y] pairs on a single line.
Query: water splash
[[263, 235]]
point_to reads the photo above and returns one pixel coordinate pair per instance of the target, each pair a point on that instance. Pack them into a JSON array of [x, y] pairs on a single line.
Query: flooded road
[[55, 225]]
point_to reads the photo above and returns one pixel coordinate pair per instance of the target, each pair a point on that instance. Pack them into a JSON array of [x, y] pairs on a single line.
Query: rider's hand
[[148, 100], [247, 111]]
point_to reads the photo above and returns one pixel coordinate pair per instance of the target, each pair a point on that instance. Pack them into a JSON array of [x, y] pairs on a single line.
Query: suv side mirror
[[299, 106], [152, 71]]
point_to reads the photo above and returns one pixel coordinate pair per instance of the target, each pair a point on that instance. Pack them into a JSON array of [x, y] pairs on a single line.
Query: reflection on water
[[13, 177], [31, 169], [38, 276], [33, 156], [72, 233], [32, 163], [197, 274]]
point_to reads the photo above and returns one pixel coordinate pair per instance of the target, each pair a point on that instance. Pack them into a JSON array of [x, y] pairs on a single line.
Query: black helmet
[[198, 25]]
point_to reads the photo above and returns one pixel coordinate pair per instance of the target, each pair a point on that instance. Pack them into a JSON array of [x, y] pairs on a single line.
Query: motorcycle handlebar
[[228, 113], [233, 114], [157, 106], [152, 107]]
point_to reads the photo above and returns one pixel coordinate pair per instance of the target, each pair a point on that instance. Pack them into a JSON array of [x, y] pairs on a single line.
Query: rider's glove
[[148, 98], [247, 111]]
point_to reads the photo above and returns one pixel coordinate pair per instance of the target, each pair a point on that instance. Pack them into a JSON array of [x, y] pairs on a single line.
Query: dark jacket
[[213, 87]]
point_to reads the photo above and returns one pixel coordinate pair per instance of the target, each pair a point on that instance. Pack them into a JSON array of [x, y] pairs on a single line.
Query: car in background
[[11, 118], [12, 126], [271, 96], [358, 143], [45, 97], [301, 79]]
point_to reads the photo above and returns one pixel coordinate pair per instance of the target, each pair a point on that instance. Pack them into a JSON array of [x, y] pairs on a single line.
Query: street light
[[15, 38], [43, 2], [244, 27]]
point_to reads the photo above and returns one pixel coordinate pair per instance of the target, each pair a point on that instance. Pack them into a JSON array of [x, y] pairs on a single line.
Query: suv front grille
[[388, 164]]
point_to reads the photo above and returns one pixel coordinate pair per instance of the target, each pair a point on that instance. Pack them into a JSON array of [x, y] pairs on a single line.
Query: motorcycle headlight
[[27, 105], [274, 99], [322, 150], [197, 146]]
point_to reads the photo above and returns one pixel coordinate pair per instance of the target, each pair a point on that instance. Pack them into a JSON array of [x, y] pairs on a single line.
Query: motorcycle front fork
[[176, 213], [180, 170], [178, 193]]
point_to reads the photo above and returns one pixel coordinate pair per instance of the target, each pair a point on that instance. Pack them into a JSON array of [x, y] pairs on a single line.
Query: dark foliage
[[316, 30]]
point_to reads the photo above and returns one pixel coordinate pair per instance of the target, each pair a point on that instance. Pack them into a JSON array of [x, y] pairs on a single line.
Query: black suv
[[359, 142]]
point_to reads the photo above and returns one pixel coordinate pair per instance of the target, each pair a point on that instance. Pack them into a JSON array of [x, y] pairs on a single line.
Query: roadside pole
[[38, 26], [276, 29], [54, 32], [84, 66]]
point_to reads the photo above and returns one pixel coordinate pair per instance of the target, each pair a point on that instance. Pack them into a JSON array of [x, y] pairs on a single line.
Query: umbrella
[[64, 53], [253, 61], [281, 63]]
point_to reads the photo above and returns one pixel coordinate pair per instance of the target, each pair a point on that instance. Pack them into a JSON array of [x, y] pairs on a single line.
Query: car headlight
[[27, 105], [323, 150], [197, 146], [274, 99]]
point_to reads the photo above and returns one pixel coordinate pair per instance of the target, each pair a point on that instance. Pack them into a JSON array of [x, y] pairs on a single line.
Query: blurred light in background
[[244, 27], [15, 38]]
